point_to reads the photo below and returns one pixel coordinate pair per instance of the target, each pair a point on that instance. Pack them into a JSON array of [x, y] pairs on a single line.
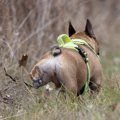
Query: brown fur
[[68, 68]]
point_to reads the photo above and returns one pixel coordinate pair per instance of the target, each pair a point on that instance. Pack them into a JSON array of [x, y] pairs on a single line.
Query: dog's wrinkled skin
[[68, 68]]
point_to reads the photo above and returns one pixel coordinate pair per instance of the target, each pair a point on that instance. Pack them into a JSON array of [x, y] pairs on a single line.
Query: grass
[[32, 30], [106, 106], [97, 109]]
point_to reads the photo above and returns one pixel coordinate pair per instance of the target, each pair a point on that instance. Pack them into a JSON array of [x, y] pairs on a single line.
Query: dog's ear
[[71, 29], [89, 29], [37, 69], [35, 72]]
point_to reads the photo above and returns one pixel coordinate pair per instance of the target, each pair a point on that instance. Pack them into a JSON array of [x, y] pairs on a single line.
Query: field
[[29, 27]]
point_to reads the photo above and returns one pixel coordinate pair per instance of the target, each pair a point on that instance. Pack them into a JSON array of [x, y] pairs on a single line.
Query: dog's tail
[[56, 51]]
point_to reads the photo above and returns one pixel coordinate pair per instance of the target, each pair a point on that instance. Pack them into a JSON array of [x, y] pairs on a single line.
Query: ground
[[32, 30]]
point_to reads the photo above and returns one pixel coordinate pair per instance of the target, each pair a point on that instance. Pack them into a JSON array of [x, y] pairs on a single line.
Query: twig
[[28, 85], [13, 79]]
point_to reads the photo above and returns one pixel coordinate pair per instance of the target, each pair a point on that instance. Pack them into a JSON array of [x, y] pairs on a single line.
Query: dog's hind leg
[[69, 84]]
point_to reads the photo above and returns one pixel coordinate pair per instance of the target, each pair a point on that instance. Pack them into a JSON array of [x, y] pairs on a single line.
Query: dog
[[66, 68]]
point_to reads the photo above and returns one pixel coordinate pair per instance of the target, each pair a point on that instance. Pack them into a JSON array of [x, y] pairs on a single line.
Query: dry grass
[[32, 27]]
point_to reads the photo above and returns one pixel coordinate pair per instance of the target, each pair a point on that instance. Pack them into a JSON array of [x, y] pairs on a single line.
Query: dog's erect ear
[[89, 29], [71, 29]]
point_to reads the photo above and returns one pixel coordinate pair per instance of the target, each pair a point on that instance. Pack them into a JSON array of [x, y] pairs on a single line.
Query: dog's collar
[[66, 42]]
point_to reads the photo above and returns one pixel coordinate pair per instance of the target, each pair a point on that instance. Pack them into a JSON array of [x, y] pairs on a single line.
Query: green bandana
[[66, 42]]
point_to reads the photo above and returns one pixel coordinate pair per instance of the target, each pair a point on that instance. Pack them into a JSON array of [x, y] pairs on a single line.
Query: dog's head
[[39, 77], [88, 35]]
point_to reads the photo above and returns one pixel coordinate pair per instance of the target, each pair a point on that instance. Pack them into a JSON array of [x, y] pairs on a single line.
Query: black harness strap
[[85, 58]]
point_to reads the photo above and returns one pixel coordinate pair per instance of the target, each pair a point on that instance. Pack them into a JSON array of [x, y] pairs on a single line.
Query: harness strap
[[82, 42], [85, 88], [66, 42]]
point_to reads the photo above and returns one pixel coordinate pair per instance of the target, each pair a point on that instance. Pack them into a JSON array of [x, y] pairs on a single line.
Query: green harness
[[66, 42]]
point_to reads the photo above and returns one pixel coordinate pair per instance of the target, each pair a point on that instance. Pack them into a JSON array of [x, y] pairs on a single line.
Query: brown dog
[[66, 67]]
